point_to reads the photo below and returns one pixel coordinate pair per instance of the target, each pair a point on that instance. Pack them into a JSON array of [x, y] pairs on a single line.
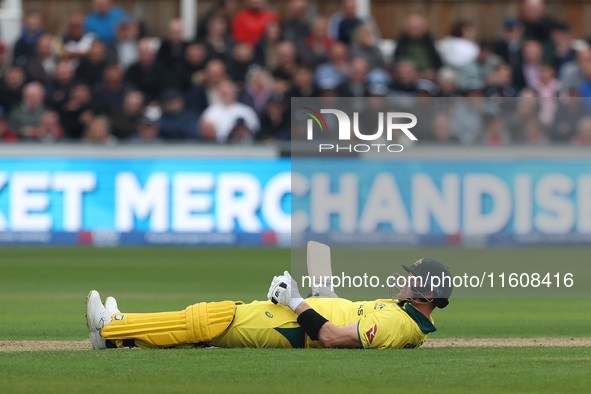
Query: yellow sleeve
[[387, 328]]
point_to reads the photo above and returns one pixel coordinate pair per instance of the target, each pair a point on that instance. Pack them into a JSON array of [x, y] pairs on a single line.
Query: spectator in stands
[[500, 82], [295, 25], [92, 66], [108, 95], [97, 131], [356, 85], [146, 74], [241, 133], [76, 113], [7, 135], [4, 58], [171, 53], [204, 94], [537, 24], [241, 61], [219, 119], [286, 61], [349, 10], [24, 117], [275, 120], [104, 20], [335, 71], [585, 86], [225, 9], [124, 49], [193, 63], [509, 46], [442, 131], [467, 116], [218, 42], [147, 132], [176, 122], [495, 132], [527, 74], [25, 46], [570, 111], [303, 84], [416, 44], [248, 26], [527, 107], [125, 120], [281, 85], [349, 23], [447, 82], [318, 44], [59, 87], [11, 88], [41, 65], [258, 89], [547, 85], [423, 107], [405, 78], [49, 128], [534, 133], [583, 136], [571, 75], [266, 48], [364, 46], [459, 50], [562, 47], [481, 68], [75, 42]]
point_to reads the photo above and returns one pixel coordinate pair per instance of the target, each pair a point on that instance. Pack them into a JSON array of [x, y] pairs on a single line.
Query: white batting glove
[[284, 291], [280, 289]]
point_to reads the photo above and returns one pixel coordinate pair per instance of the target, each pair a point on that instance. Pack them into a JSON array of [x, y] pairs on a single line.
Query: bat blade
[[320, 269]]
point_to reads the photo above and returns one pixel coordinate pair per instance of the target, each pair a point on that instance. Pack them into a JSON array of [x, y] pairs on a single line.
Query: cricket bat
[[320, 269]]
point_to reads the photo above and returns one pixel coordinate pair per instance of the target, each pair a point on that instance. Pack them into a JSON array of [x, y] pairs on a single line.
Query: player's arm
[[330, 335], [284, 291]]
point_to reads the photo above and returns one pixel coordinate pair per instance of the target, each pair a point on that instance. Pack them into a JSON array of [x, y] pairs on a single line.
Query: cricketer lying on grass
[[285, 321]]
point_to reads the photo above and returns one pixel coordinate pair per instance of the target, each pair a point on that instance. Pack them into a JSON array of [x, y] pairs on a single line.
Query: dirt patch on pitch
[[16, 346], [507, 342], [19, 346]]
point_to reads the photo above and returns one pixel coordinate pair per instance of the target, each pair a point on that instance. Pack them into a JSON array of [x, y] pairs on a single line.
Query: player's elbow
[[328, 342], [331, 336], [328, 338]]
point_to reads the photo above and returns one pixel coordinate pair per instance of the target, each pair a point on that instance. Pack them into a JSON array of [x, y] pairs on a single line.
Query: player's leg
[[197, 323]]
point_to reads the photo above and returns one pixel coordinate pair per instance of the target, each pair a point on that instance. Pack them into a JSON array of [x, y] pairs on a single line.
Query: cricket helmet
[[426, 269]]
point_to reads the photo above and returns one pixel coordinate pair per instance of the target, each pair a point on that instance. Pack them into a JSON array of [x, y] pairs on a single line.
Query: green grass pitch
[[42, 294]]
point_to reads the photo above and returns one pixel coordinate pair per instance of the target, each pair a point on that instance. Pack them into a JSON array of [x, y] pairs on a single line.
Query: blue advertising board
[[261, 201]]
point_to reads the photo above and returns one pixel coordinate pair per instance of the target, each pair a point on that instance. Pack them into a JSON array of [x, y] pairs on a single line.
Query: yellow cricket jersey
[[380, 324]]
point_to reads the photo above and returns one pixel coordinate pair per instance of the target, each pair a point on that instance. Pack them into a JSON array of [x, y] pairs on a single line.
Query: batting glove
[[284, 291]]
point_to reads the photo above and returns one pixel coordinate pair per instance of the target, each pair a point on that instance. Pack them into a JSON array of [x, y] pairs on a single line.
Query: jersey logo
[[371, 333], [269, 314]]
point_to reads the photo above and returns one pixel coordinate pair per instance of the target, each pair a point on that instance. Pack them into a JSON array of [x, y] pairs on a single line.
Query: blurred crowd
[[107, 80]]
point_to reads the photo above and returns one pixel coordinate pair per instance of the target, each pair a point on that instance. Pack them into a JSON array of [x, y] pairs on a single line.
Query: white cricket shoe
[[96, 319], [111, 306]]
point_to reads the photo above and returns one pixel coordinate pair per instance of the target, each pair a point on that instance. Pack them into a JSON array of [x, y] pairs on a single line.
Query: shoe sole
[[91, 330]]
